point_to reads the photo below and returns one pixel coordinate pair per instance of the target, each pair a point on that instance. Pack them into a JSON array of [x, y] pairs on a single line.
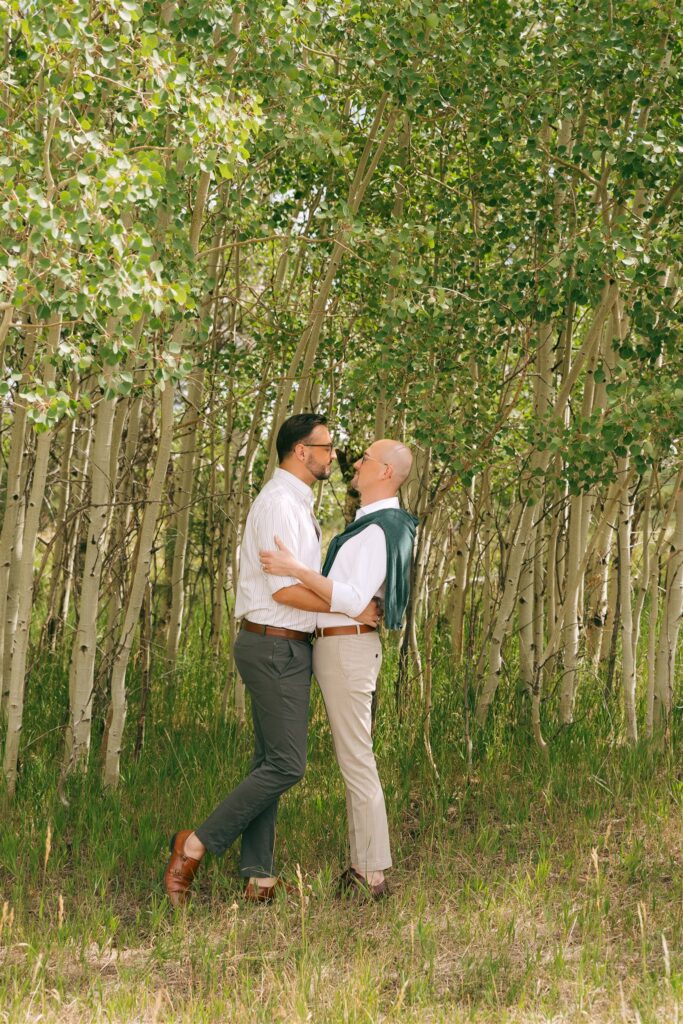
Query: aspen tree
[[625, 603], [308, 344], [462, 548], [672, 613], [84, 647], [185, 473], [52, 621], [136, 594], [12, 522], [654, 597], [24, 581]]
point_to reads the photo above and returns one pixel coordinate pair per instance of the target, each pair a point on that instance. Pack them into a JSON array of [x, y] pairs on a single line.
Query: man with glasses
[[372, 557], [273, 655]]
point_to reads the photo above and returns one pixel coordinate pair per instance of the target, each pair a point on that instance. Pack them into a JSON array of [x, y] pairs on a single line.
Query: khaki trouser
[[346, 668]]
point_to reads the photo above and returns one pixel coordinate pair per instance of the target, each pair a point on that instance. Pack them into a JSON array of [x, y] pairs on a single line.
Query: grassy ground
[[528, 892]]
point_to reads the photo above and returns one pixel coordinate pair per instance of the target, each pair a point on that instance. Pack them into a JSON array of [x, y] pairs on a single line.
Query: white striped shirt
[[284, 508]]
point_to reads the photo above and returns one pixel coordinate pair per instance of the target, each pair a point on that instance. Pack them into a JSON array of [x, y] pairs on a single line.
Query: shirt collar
[[375, 506], [283, 476]]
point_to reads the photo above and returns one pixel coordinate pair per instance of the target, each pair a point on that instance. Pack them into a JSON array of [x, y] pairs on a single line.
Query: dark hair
[[296, 429]]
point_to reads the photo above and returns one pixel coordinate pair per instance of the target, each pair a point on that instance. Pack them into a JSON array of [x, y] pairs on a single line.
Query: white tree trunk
[[11, 615], [82, 669], [652, 647], [570, 612], [463, 548], [597, 593], [81, 473], [626, 610], [672, 611], [526, 515], [12, 523], [137, 592], [608, 627], [17, 678], [182, 497], [526, 617], [184, 479]]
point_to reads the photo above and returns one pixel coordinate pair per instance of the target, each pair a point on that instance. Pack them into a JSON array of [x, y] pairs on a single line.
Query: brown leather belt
[[288, 634], [344, 630]]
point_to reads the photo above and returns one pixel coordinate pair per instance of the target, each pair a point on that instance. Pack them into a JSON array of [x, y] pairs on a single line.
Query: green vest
[[399, 533]]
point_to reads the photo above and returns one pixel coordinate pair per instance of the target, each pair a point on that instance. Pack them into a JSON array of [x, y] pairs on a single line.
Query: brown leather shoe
[[180, 869], [351, 883], [267, 893]]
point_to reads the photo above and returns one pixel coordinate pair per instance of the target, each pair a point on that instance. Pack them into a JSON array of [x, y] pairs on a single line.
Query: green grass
[[527, 892]]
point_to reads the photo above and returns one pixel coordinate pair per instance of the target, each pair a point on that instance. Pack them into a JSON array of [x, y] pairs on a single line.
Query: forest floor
[[525, 892]]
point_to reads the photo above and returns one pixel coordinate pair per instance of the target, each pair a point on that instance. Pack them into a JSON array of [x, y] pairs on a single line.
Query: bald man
[[371, 558]]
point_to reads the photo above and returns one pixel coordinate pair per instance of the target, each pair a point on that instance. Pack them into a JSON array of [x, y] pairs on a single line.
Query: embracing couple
[[285, 603]]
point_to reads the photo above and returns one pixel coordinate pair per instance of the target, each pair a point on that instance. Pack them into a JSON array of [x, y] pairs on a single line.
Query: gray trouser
[[277, 675]]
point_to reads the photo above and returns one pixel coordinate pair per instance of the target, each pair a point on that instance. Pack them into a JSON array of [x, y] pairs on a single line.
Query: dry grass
[[529, 894], [508, 922]]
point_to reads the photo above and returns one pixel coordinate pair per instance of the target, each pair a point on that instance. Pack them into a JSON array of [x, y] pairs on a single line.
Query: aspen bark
[[119, 520], [552, 570], [5, 324], [625, 603], [246, 449], [145, 668], [17, 678], [642, 586], [571, 614], [463, 548], [672, 612], [487, 597], [52, 622], [597, 593], [526, 617], [80, 475], [184, 480], [218, 602], [12, 523], [137, 592], [526, 514], [84, 649], [416, 496], [13, 582], [610, 618], [653, 593], [439, 593]]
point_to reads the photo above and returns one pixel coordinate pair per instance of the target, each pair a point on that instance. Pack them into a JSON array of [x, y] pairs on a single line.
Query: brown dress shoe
[[267, 893], [180, 869], [351, 883]]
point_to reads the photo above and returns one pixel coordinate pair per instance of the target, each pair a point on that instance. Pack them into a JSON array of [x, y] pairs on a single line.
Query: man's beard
[[320, 472]]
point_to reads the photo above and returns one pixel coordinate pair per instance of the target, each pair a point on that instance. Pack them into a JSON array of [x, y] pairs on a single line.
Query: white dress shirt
[[359, 571], [284, 507]]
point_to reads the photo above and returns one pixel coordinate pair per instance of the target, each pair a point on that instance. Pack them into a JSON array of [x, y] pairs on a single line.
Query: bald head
[[381, 470], [396, 455]]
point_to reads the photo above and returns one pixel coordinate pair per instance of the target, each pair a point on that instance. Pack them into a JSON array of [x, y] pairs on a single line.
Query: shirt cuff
[[345, 599]]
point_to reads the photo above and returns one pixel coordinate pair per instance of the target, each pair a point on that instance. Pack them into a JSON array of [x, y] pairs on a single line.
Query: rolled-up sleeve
[[368, 555], [277, 519]]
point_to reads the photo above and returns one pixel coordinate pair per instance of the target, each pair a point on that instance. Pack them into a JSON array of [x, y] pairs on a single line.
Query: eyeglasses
[[365, 457], [329, 448]]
